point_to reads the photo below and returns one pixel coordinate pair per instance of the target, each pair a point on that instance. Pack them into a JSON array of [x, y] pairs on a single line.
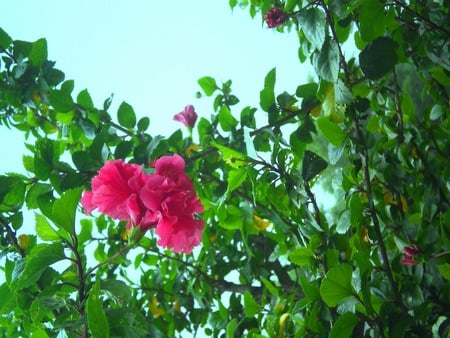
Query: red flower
[[115, 192], [171, 195], [410, 252], [188, 116], [165, 200], [275, 17]]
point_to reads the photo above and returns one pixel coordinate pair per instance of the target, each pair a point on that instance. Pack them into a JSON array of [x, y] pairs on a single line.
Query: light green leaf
[[444, 270], [334, 134], [251, 307], [208, 84], [337, 285], [226, 120], [126, 115], [231, 328], [44, 230], [269, 286], [97, 321], [64, 210], [301, 256], [235, 179], [326, 61], [344, 325], [231, 156], [313, 23]]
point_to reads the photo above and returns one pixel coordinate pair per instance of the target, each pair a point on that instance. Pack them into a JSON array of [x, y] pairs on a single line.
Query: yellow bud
[[283, 319], [260, 223], [24, 241], [154, 309], [191, 148]]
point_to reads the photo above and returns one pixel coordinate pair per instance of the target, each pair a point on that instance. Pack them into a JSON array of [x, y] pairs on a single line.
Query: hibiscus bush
[[318, 212]]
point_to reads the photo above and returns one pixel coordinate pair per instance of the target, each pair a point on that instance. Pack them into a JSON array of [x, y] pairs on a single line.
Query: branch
[[12, 236], [374, 215]]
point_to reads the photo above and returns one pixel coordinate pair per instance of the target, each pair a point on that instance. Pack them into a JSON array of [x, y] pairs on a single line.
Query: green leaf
[[378, 58], [44, 230], [326, 61], [208, 84], [5, 39], [344, 325], [312, 165], [84, 99], [38, 53], [226, 120], [313, 23], [64, 210], [267, 95], [301, 256], [126, 115], [371, 20], [337, 285], [251, 307], [444, 270], [37, 261], [5, 296], [334, 134], [96, 318]]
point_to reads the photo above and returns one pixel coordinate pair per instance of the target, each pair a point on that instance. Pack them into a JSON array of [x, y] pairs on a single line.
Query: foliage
[[277, 258]]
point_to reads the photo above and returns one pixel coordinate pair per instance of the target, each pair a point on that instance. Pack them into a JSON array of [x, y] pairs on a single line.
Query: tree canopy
[[314, 213]]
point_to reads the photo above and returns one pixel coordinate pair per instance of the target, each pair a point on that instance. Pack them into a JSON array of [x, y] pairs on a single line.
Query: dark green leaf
[[126, 115], [378, 58], [84, 99], [326, 61], [38, 53], [313, 164], [313, 23], [372, 20], [37, 261], [61, 101], [5, 39], [143, 123]]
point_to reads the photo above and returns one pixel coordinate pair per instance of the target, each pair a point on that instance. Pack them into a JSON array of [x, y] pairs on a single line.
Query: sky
[[151, 54]]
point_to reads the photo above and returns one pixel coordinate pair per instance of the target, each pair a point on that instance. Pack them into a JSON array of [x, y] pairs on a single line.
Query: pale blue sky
[[151, 53]]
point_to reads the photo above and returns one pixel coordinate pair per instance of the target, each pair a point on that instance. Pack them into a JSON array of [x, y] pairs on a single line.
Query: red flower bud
[[275, 17]]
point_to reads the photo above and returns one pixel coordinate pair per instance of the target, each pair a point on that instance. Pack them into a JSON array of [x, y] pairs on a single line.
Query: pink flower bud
[[188, 116]]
